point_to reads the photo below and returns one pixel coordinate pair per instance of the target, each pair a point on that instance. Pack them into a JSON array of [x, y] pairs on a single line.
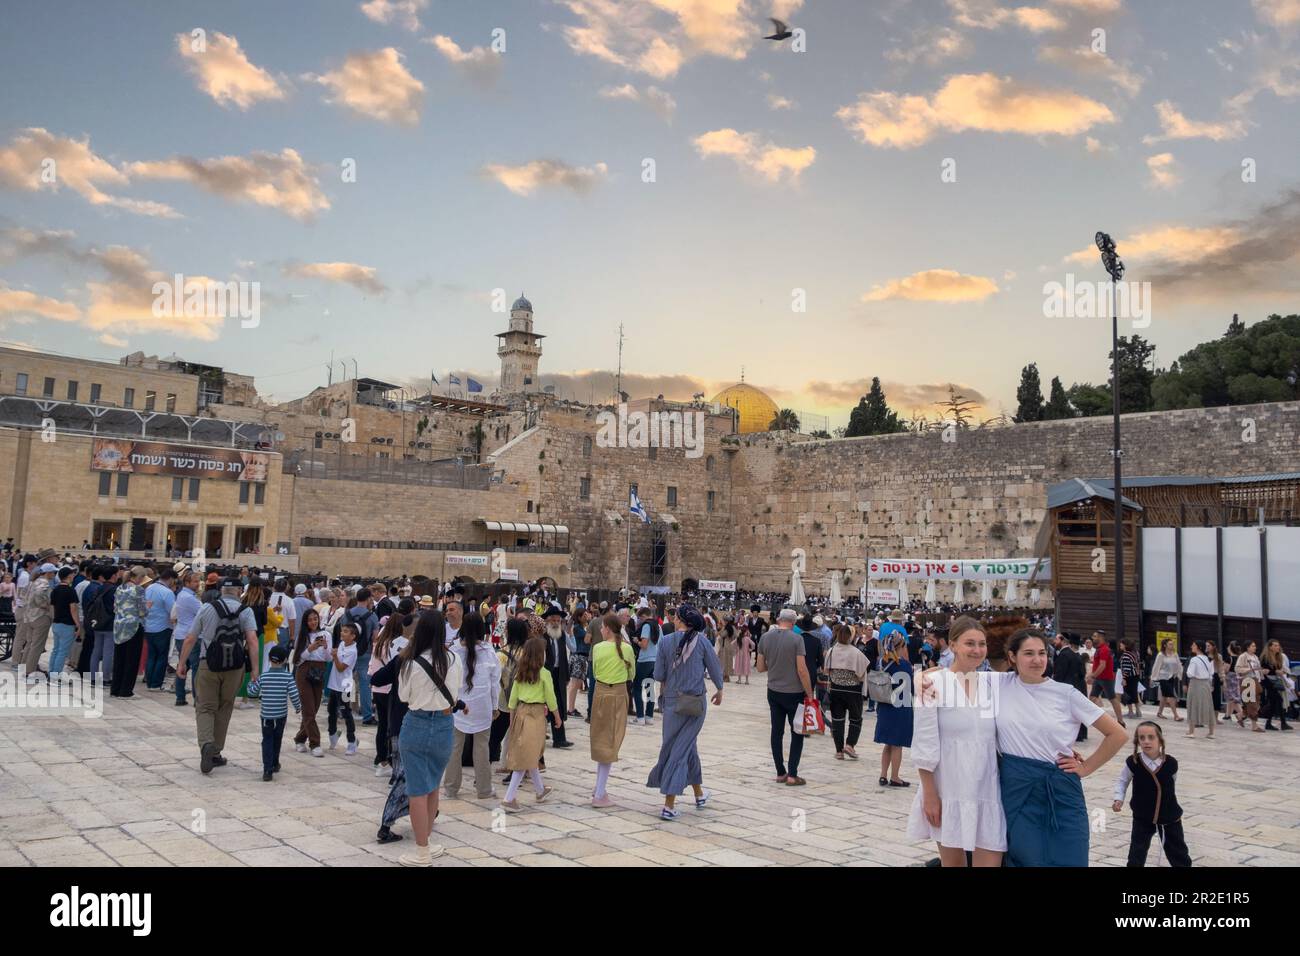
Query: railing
[[110, 421], [382, 545], [446, 473]]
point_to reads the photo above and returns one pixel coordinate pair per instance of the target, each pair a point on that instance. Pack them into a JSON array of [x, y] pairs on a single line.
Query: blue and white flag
[[453, 380], [637, 508], [434, 377], [473, 385]]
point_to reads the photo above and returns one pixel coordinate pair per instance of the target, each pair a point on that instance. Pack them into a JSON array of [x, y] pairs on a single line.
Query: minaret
[[520, 351]]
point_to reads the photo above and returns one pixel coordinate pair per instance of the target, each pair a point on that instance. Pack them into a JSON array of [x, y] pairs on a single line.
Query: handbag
[[688, 705], [879, 686]]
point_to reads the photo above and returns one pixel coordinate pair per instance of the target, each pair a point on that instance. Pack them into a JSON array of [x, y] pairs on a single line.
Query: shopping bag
[[808, 719]]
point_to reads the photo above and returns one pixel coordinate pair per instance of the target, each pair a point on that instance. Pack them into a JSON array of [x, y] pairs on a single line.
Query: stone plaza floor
[[125, 790]]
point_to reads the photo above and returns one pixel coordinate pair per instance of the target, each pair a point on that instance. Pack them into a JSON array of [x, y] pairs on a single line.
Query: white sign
[[982, 569], [882, 596], [717, 585], [507, 574], [477, 560]]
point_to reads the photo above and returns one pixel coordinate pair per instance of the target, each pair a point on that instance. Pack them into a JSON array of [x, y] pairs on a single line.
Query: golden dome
[[755, 409]]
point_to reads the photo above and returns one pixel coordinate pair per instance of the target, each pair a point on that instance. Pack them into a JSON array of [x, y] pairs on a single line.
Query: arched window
[[708, 463], [586, 446]]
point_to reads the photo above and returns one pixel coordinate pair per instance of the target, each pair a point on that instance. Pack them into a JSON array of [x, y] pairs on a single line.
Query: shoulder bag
[[688, 705], [879, 685]]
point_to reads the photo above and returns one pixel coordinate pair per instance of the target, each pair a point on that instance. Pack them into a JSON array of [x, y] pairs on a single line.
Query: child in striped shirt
[[276, 687]]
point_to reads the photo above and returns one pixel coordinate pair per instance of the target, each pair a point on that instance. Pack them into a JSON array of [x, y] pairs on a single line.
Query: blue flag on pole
[[453, 380], [637, 508], [473, 385]]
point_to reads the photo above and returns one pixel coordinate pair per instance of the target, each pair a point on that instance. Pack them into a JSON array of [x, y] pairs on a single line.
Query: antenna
[[618, 389], [330, 367], [742, 375]]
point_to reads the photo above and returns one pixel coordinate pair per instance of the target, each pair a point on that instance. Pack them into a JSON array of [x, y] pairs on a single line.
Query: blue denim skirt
[[425, 743]]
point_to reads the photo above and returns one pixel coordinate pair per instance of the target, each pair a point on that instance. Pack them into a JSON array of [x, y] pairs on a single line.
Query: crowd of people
[[449, 681]]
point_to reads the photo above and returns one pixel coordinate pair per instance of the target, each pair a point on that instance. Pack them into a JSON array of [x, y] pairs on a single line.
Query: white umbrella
[[1033, 596], [836, 597], [862, 594], [986, 594], [1011, 592], [931, 598], [958, 592], [796, 589], [902, 592]]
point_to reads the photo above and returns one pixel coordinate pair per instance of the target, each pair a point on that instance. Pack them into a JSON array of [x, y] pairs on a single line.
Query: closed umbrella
[[796, 589], [1011, 592], [958, 592], [902, 592], [931, 598], [986, 594], [836, 597]]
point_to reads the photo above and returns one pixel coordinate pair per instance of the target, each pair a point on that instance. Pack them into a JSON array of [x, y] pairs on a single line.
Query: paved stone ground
[[123, 790]]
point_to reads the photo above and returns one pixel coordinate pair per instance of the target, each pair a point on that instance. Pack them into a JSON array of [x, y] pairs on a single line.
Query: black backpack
[[102, 609], [227, 650]]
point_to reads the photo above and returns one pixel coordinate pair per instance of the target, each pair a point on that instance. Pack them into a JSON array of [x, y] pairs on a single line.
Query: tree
[[820, 433], [1058, 404], [785, 421], [1029, 396], [1246, 365], [873, 416], [956, 408], [1135, 382], [841, 432], [1235, 327], [1090, 400]]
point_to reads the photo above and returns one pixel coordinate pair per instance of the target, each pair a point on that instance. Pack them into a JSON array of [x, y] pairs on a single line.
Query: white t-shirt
[[342, 679], [323, 654], [451, 634], [1040, 721], [284, 604]]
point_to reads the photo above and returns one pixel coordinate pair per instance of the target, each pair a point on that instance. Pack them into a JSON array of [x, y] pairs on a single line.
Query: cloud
[[777, 102], [1090, 6], [405, 13], [1038, 20], [1176, 244], [931, 47], [970, 101], [906, 398], [122, 299], [1174, 125], [365, 278], [19, 304], [990, 15], [661, 102], [224, 72], [1278, 13], [1086, 61], [37, 159], [280, 181], [112, 340], [766, 159], [934, 285], [1163, 172], [525, 179], [1094, 145], [657, 37], [480, 65], [375, 85]]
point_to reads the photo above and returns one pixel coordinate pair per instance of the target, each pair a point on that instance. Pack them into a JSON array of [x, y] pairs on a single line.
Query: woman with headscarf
[[685, 657]]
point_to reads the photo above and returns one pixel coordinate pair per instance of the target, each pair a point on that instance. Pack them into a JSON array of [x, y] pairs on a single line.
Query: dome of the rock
[[755, 410]]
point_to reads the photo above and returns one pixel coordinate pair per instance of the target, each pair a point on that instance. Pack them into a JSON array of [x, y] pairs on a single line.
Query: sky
[[889, 192]]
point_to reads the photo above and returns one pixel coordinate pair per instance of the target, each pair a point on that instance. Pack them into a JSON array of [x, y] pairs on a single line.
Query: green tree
[[1058, 403], [1136, 380], [873, 416], [1090, 400], [1235, 327], [1248, 364], [1029, 396], [820, 433], [956, 408], [785, 421]]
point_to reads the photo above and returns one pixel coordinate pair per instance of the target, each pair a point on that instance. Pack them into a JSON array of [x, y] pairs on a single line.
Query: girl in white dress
[[954, 746]]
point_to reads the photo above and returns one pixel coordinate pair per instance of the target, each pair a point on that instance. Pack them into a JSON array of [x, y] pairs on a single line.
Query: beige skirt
[[608, 721], [527, 737]]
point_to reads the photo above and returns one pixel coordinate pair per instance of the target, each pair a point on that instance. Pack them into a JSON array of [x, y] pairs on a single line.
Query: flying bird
[[781, 31]]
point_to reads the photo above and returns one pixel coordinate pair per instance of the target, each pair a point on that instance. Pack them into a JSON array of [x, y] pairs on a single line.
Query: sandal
[[899, 783], [795, 781], [839, 755], [783, 778], [1179, 719], [850, 753], [884, 781]]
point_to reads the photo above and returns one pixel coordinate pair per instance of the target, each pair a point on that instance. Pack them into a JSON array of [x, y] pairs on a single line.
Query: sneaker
[[334, 741], [423, 856], [382, 771], [352, 749], [219, 761], [669, 814], [511, 806], [205, 758], [703, 799], [317, 752], [546, 792], [386, 835], [301, 748], [266, 776]]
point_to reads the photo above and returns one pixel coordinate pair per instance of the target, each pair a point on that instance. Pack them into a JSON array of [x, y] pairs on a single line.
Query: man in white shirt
[[283, 603], [455, 614]]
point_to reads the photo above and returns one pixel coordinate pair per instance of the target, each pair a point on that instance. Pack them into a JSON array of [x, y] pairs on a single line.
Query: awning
[[522, 527]]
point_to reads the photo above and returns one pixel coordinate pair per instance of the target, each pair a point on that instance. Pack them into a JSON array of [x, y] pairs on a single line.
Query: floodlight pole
[[1115, 268]]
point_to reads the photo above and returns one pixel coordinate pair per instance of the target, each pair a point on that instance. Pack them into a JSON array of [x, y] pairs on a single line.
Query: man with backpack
[[362, 614], [227, 636]]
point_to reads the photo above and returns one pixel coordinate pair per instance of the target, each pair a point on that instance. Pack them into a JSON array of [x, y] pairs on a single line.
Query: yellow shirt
[[540, 691], [609, 667]]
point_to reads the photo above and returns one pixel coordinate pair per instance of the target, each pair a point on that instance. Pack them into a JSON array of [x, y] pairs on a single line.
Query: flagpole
[[627, 567]]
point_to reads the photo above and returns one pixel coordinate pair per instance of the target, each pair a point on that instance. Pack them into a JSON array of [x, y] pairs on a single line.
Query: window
[[171, 402], [178, 488], [586, 447], [128, 398], [709, 504], [243, 492], [150, 399], [123, 482], [95, 389], [318, 442], [584, 488], [194, 489], [654, 452], [530, 506], [20, 387], [708, 463], [672, 497], [72, 391], [105, 483], [49, 388], [259, 493]]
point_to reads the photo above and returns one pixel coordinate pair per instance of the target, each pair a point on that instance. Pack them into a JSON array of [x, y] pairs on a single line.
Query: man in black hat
[[557, 664]]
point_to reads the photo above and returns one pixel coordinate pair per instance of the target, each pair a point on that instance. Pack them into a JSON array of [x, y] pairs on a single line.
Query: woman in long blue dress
[[894, 720], [685, 656]]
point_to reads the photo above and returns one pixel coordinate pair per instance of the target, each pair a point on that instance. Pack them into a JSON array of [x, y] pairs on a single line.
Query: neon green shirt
[[540, 691], [608, 666]]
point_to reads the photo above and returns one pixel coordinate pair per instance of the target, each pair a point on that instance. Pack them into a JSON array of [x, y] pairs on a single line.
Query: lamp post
[[1115, 268]]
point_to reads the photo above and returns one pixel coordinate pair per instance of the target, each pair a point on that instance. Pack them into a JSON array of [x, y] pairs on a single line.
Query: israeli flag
[[637, 508], [453, 380]]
